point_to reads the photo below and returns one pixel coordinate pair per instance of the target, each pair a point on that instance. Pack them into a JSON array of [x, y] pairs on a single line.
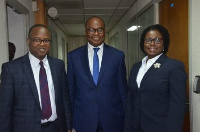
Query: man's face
[[95, 31], [37, 48]]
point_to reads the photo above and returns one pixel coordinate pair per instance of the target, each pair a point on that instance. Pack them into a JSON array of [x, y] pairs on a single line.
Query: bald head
[[94, 17]]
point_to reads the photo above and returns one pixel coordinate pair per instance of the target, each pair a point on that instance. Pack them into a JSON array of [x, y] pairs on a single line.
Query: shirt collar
[[90, 47], [35, 61], [144, 60]]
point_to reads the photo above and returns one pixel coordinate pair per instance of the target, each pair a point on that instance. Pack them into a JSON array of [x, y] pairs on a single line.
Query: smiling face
[[96, 38], [153, 49], [39, 50]]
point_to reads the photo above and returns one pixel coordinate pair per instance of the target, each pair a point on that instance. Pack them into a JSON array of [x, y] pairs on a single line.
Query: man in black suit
[[29, 103]]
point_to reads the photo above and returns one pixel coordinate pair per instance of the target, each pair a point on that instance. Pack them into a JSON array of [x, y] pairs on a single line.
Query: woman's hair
[[163, 31]]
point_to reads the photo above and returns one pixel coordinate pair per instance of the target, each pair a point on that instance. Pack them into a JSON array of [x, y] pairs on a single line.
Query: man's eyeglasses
[[92, 30], [155, 40], [39, 41]]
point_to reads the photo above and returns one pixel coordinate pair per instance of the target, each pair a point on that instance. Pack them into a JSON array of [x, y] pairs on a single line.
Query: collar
[[90, 47], [35, 61], [144, 60]]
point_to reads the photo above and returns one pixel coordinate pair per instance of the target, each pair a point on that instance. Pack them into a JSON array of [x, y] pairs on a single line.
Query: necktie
[[95, 66], [44, 92]]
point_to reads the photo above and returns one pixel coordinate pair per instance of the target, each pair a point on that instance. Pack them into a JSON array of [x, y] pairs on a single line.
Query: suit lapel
[[29, 74], [106, 59], [152, 69], [134, 74], [54, 75], [85, 62]]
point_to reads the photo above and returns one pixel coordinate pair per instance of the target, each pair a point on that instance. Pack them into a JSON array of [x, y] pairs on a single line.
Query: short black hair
[[35, 26], [163, 31], [94, 17], [12, 45]]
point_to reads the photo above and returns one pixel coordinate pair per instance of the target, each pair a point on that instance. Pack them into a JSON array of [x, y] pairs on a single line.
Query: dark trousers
[[50, 127]]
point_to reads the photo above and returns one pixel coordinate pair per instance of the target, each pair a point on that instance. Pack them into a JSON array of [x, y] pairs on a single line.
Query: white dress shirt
[[145, 67], [36, 69], [91, 54]]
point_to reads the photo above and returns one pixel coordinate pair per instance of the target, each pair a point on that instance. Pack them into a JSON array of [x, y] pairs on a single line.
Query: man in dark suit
[[98, 97], [34, 95]]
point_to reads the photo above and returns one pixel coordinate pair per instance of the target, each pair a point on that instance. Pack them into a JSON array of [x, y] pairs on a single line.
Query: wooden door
[[173, 14]]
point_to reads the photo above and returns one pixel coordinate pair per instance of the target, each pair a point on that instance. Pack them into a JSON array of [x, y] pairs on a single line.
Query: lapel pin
[[157, 65]]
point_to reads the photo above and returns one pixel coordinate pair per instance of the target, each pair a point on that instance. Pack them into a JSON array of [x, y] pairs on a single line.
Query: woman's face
[[153, 43]]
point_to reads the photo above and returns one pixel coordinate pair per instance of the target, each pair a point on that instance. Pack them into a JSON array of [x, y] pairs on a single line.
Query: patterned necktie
[[44, 92], [95, 66]]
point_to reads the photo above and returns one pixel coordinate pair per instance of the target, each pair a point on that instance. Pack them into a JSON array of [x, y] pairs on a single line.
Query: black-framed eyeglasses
[[92, 30], [155, 40], [39, 41]]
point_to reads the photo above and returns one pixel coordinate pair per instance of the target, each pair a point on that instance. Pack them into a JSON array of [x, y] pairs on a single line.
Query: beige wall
[[29, 20], [194, 62], [3, 33]]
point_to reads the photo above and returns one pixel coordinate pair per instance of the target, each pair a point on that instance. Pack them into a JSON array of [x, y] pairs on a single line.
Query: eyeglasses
[[39, 41], [92, 30], [155, 40]]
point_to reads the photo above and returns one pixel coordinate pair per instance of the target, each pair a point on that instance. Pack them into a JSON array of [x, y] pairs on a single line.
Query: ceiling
[[74, 13]]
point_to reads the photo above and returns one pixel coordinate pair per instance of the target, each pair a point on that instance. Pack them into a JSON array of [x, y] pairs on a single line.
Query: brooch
[[157, 65]]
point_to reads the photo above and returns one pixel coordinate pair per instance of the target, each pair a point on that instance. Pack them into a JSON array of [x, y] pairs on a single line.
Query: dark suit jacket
[[107, 99], [19, 102], [159, 104]]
